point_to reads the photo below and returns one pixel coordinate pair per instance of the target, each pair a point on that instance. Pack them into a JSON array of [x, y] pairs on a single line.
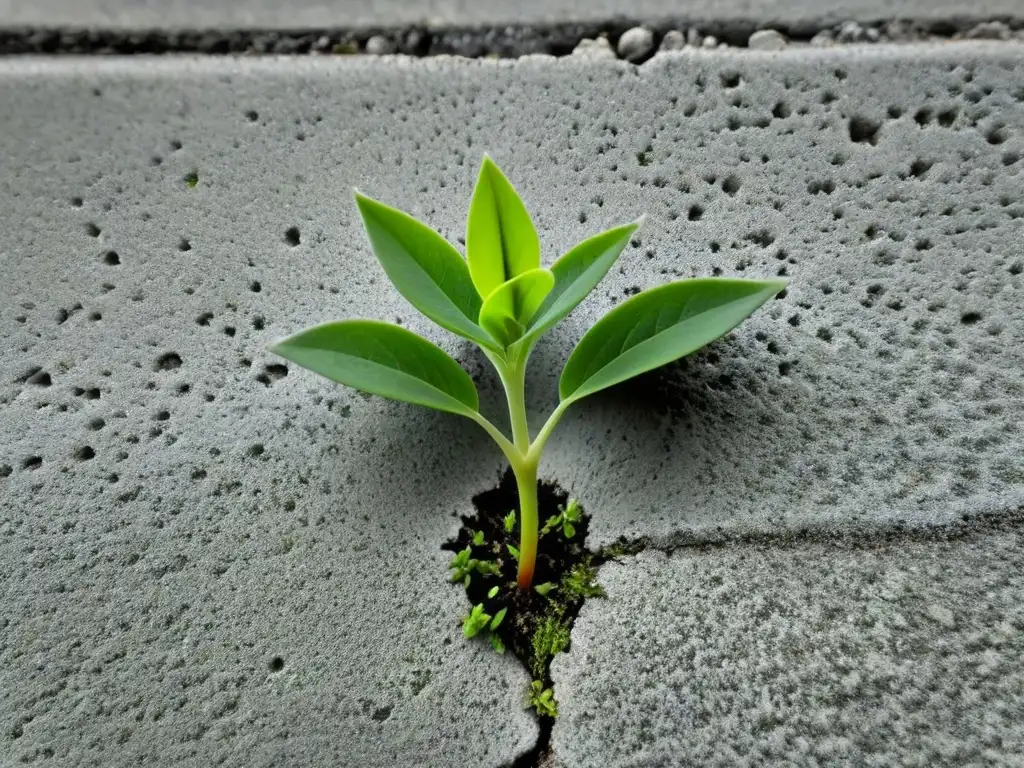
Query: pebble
[[823, 39], [594, 49], [673, 41], [710, 42], [378, 45], [989, 30], [636, 43], [767, 40], [693, 36], [850, 32]]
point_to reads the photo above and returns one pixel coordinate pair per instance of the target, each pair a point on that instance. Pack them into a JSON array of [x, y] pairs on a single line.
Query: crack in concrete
[[505, 41], [856, 538]]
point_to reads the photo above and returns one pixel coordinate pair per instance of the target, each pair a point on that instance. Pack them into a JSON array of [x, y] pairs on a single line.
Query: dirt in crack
[[536, 626]]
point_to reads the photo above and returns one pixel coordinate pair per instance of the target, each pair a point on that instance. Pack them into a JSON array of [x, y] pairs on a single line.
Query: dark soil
[[557, 557]]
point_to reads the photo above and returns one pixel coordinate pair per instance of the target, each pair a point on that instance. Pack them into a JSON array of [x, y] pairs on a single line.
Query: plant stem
[[526, 482]]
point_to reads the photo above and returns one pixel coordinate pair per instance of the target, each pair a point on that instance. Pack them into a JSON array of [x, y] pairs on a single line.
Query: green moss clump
[[551, 637], [581, 582]]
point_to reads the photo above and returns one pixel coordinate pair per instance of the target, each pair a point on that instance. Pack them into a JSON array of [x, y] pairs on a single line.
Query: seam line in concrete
[[505, 41]]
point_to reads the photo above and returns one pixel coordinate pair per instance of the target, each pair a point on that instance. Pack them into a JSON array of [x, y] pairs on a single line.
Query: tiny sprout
[[544, 588], [475, 621], [478, 538], [492, 592], [498, 618], [500, 297], [543, 699], [496, 644], [565, 518], [513, 551], [510, 521], [463, 565]]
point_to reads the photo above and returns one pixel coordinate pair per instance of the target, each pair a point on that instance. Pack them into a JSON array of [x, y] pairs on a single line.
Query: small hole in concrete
[[276, 664], [695, 212], [92, 230], [111, 258], [40, 379], [252, 115], [85, 453], [255, 286], [32, 462], [292, 236], [204, 319], [864, 130], [184, 245], [167, 362], [970, 318]]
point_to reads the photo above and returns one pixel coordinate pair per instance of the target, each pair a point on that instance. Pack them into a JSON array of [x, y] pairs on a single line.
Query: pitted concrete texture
[[270, 14], [207, 555], [903, 653]]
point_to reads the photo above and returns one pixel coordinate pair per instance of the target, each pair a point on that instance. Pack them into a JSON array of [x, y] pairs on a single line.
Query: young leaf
[[492, 592], [496, 644], [425, 268], [384, 360], [568, 529], [510, 521], [513, 551], [510, 307], [543, 589], [577, 273], [478, 538], [475, 621], [658, 326], [498, 618], [501, 242]]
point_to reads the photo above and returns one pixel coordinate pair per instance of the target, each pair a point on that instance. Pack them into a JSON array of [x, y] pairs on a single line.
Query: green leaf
[[501, 242], [510, 521], [425, 268], [384, 360], [511, 306], [492, 592], [496, 644], [513, 551], [568, 529], [658, 326], [498, 618], [475, 621], [577, 273], [478, 538], [544, 588]]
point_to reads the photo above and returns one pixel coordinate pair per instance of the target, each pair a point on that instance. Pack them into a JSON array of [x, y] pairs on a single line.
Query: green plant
[[543, 699], [503, 300], [565, 518]]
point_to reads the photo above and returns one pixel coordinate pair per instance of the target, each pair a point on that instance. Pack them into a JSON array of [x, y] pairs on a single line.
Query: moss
[[550, 637], [581, 582]]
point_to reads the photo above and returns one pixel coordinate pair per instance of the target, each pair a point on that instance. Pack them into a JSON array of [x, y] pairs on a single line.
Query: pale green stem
[[545, 432], [522, 456]]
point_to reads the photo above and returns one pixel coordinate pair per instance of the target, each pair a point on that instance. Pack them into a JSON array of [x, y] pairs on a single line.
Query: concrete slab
[[899, 653], [268, 14], [205, 556]]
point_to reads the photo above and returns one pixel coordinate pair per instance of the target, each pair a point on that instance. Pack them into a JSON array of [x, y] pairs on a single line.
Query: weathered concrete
[[906, 653], [271, 14], [171, 523]]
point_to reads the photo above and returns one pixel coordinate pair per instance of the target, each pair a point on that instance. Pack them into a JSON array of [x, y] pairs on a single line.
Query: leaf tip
[[638, 223]]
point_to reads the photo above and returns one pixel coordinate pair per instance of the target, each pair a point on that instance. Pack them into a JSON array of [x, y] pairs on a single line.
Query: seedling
[[503, 300], [543, 699], [565, 518]]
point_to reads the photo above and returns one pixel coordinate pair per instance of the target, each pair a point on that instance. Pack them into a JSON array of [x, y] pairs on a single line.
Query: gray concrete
[[271, 14], [903, 654], [170, 525]]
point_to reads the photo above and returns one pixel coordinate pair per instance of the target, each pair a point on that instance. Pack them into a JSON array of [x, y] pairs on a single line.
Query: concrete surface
[[175, 515], [902, 653], [270, 14]]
